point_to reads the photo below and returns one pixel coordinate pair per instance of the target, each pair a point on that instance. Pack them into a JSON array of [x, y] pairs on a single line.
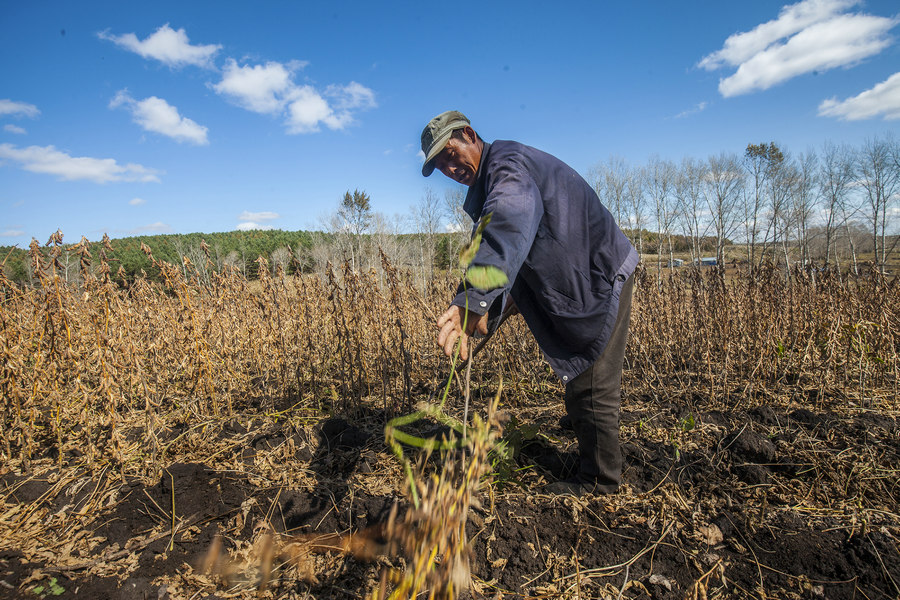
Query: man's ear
[[469, 134]]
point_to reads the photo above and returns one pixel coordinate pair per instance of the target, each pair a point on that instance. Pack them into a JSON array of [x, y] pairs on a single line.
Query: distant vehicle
[[675, 262], [709, 261]]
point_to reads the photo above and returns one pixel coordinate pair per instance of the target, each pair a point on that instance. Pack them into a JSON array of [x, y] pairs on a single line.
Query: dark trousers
[[592, 401]]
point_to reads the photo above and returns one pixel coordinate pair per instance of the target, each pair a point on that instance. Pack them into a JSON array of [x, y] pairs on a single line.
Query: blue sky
[[175, 117]]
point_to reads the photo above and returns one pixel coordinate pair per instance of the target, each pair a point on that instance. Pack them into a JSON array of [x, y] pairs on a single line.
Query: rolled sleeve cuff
[[479, 301]]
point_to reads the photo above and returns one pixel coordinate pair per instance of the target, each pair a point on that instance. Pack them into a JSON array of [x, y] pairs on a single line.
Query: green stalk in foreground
[[480, 276]]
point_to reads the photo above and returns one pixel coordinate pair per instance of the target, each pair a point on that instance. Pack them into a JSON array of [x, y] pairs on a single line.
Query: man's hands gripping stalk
[[451, 325]]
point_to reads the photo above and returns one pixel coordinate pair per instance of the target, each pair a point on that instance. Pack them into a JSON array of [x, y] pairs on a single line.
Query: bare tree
[[637, 205], [195, 258], [688, 195], [754, 193], [281, 258], [459, 223], [427, 218], [354, 216], [337, 247], [880, 180], [610, 183], [782, 185], [849, 212], [722, 189], [233, 260], [764, 198], [835, 176], [804, 200], [386, 239], [660, 187]]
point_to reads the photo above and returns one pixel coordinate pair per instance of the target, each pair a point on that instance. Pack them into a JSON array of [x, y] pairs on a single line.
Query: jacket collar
[[477, 194]]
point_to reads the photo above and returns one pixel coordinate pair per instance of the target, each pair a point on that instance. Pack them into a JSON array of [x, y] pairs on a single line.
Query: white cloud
[[741, 47], [166, 45], [842, 41], [260, 88], [158, 227], [12, 233], [700, 107], [270, 89], [14, 129], [137, 201], [157, 115], [810, 36], [256, 220], [351, 96], [265, 215], [19, 109], [307, 109], [49, 160], [882, 100], [250, 225]]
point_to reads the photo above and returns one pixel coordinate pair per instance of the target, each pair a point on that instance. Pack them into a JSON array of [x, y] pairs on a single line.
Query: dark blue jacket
[[565, 257]]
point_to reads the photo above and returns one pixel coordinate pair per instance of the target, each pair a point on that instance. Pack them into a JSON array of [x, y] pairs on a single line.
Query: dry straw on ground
[[113, 382]]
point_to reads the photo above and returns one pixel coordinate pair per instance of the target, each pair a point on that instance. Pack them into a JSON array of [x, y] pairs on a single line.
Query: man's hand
[[450, 323]]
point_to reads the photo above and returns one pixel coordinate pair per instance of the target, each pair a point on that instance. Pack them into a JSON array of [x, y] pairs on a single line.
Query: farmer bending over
[[570, 272]]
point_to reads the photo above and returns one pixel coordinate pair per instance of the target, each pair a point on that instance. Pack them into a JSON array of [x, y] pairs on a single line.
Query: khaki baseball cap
[[436, 134]]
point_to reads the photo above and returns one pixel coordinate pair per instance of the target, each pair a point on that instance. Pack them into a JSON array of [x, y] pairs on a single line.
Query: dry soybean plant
[[749, 337], [83, 367]]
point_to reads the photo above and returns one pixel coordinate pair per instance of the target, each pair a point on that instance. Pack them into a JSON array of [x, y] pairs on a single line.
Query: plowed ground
[[796, 498]]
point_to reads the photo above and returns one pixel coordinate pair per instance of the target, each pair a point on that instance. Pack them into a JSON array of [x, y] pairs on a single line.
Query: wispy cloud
[[156, 115], [12, 233], [351, 96], [166, 45], [699, 107], [137, 201], [265, 215], [271, 89], [883, 100], [810, 36], [18, 109], [256, 220], [9, 128], [49, 160], [158, 227], [250, 226]]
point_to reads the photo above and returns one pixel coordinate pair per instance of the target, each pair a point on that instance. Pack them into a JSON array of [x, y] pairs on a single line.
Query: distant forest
[[247, 251]]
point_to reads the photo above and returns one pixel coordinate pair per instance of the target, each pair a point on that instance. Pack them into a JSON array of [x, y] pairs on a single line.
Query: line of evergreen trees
[[290, 251]]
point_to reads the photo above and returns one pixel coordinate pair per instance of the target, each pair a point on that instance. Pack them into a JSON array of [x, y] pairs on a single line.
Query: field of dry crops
[[227, 440]]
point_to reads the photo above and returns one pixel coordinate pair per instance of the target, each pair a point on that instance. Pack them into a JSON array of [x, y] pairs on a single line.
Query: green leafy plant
[[52, 588], [484, 277], [503, 457]]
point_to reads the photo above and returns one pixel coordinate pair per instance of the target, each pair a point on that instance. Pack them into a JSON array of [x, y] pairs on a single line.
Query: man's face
[[460, 158]]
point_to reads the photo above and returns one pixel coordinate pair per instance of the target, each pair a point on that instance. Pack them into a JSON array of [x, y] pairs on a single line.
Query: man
[[570, 272]]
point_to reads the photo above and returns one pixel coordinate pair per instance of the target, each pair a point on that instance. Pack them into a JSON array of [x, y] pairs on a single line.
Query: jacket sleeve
[[515, 201]]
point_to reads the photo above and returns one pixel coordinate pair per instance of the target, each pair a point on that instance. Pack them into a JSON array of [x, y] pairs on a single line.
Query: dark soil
[[731, 503]]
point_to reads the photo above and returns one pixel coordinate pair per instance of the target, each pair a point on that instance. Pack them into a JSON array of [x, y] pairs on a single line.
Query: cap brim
[[436, 147]]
